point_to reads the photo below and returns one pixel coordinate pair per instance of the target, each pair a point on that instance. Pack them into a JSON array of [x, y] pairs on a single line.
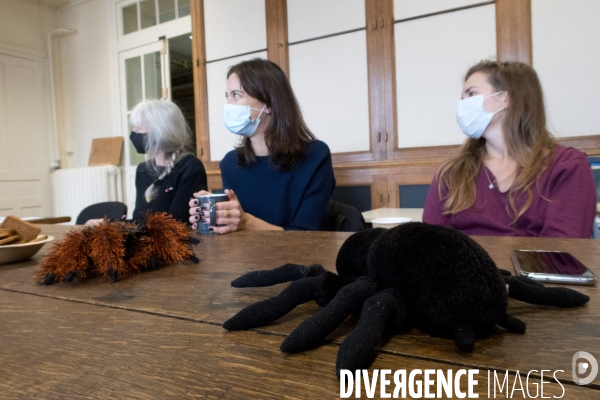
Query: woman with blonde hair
[[510, 177]]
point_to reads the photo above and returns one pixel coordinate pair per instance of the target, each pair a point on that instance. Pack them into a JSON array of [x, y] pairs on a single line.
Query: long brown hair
[[524, 129], [286, 135]]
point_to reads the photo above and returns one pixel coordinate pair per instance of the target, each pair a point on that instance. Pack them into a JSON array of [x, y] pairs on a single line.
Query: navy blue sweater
[[186, 177], [296, 199]]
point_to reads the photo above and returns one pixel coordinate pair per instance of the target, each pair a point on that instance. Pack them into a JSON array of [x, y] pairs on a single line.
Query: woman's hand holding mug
[[229, 215]]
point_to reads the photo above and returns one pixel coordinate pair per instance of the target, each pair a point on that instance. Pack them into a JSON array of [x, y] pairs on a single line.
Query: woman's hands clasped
[[229, 213]]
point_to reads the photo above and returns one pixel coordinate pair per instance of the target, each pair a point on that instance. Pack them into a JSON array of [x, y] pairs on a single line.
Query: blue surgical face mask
[[237, 119], [472, 118]]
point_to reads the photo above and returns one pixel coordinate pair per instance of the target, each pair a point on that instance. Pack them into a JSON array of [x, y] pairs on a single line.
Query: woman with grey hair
[[171, 173]]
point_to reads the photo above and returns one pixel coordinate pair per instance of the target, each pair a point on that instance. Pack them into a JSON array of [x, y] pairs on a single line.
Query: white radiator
[[76, 188]]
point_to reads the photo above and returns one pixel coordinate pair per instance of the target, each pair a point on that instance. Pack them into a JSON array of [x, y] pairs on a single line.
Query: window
[[143, 14]]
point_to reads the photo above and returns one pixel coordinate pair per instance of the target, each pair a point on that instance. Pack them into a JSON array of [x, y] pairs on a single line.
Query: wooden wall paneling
[[200, 85], [389, 74], [413, 173], [378, 195], [277, 34], [384, 177], [214, 180], [376, 79], [419, 168], [513, 30], [426, 153], [590, 145], [348, 176]]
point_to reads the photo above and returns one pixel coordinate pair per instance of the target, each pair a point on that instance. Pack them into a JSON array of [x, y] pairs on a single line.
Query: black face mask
[[139, 141]]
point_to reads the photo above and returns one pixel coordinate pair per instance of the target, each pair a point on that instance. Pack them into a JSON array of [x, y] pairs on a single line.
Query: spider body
[[415, 275], [436, 278]]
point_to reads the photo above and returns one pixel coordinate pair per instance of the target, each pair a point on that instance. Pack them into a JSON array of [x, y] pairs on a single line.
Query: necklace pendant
[[491, 186]]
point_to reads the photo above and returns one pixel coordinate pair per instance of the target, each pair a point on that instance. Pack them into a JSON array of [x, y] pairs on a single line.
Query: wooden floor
[[159, 334]]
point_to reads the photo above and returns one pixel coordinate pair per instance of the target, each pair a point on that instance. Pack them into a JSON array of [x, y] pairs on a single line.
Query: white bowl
[[389, 222], [18, 252]]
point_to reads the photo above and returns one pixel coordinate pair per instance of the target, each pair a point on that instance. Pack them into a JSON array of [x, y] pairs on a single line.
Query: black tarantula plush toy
[[415, 275]]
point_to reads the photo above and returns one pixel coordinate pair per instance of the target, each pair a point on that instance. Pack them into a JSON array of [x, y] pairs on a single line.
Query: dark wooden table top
[[159, 334]]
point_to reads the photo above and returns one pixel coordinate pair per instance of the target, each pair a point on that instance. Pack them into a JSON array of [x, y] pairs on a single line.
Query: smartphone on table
[[552, 267]]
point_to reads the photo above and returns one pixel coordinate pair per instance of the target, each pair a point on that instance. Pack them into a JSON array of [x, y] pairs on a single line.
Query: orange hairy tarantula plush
[[117, 249]]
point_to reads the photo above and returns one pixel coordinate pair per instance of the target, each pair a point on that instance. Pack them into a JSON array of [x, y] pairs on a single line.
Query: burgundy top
[[565, 208]]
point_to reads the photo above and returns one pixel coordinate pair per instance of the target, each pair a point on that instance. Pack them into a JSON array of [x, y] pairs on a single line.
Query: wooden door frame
[[513, 31], [200, 85], [277, 34]]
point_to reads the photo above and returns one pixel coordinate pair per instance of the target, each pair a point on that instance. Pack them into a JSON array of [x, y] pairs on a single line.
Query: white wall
[[24, 24], [85, 60], [87, 84], [567, 61]]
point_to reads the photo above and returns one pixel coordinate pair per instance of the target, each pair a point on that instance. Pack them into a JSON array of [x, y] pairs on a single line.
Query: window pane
[[166, 10], [130, 22], [427, 87], [184, 8], [341, 69], [147, 13], [234, 27], [553, 56], [152, 75], [133, 77]]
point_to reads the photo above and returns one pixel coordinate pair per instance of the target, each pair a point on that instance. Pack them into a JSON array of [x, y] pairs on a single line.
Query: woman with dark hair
[[510, 177], [280, 173], [171, 173]]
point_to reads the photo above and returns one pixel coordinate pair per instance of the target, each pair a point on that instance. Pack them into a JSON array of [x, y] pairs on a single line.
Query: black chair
[[110, 209], [342, 217]]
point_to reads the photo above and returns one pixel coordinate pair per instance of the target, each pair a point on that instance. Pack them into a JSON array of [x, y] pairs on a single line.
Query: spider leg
[[464, 337], [529, 291], [358, 350], [285, 273], [68, 259], [312, 331], [512, 324], [320, 288]]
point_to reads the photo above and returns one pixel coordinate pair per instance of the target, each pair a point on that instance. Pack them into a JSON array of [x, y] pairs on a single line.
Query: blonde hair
[[168, 133], [524, 128]]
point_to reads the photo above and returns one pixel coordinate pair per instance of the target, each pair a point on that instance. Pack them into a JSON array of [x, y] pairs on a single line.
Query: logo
[[580, 368]]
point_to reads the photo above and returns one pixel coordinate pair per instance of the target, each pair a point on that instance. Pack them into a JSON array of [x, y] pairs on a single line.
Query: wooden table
[[159, 334]]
